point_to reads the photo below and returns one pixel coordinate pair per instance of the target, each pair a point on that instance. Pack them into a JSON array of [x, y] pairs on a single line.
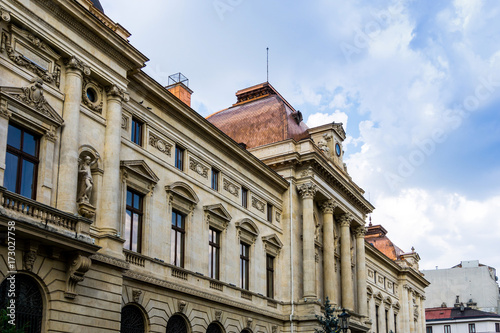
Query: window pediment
[[247, 230], [217, 216], [184, 191], [272, 244], [32, 100], [138, 173]]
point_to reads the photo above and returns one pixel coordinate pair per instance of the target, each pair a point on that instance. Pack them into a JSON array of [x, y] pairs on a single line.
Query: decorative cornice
[[231, 188], [307, 190], [191, 291], [75, 63], [110, 260], [198, 167], [328, 206], [158, 143]]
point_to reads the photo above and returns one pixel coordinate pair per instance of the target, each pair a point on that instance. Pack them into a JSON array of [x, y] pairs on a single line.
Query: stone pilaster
[[411, 311], [390, 319], [405, 323], [4, 126], [361, 270], [68, 166], [421, 316], [308, 191], [109, 214], [381, 317], [330, 278], [345, 262]]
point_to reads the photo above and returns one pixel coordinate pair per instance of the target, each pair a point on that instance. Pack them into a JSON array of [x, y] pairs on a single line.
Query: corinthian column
[[68, 166], [109, 215], [330, 277], [307, 191], [345, 262], [361, 270]]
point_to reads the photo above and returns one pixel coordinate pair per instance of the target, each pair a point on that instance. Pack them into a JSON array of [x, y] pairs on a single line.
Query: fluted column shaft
[[68, 166], [307, 192], [345, 262], [109, 215], [361, 270], [330, 280]]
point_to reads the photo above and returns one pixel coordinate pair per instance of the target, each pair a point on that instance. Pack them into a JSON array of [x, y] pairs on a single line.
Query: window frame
[[24, 156], [181, 232], [244, 266], [447, 329], [244, 197], [428, 329], [472, 328], [137, 125], [179, 157], [138, 211], [497, 327], [270, 278], [214, 253], [215, 176]]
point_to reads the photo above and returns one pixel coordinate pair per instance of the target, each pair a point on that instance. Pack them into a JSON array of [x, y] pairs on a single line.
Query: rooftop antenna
[[267, 49]]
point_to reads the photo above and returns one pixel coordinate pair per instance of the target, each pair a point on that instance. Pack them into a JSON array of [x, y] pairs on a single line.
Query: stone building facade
[[123, 210]]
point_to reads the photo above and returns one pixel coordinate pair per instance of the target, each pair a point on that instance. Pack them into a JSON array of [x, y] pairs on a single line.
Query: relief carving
[[199, 168], [159, 144], [136, 294], [33, 96], [29, 260], [257, 204], [181, 305], [4, 112], [231, 188], [4, 14], [124, 123], [218, 315], [92, 90], [278, 217]]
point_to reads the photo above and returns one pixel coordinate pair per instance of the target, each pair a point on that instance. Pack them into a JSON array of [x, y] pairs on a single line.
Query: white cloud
[[318, 119]]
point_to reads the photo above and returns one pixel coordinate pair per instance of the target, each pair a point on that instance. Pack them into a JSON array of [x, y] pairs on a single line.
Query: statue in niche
[[86, 182]]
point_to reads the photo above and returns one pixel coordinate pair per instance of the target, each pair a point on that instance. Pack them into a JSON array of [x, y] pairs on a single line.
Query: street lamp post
[[344, 321]]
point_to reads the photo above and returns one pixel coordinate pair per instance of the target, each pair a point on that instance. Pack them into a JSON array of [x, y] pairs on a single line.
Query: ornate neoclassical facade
[[124, 210]]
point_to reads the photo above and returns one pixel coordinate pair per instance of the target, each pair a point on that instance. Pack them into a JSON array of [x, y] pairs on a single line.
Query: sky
[[415, 83]]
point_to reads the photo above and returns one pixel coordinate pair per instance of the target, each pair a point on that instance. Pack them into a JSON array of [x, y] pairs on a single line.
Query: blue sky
[[417, 84]]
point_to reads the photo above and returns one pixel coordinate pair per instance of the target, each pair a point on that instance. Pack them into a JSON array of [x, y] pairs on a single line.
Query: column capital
[[307, 190], [113, 91], [4, 111], [76, 64], [328, 206], [360, 232], [346, 219]]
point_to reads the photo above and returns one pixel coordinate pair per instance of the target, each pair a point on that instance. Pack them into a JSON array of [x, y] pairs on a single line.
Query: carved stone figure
[[323, 146], [86, 181]]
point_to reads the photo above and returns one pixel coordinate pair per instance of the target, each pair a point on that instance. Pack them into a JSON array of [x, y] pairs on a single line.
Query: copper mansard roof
[[260, 116]]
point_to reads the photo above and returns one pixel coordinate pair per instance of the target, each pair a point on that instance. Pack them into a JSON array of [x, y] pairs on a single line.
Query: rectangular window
[[244, 197], [472, 328], [428, 329], [396, 323], [270, 275], [376, 319], [179, 158], [137, 131], [386, 321], [270, 213], [497, 327], [133, 221], [214, 253], [244, 265], [447, 329], [21, 161], [215, 179], [177, 236]]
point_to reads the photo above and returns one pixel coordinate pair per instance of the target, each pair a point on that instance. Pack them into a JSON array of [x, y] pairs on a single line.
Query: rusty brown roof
[[376, 236], [260, 116]]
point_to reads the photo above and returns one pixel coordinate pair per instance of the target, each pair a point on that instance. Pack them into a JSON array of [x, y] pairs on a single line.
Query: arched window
[[176, 324], [214, 328], [29, 302], [132, 320]]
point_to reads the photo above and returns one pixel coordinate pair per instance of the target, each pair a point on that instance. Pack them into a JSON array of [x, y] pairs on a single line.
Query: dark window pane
[[135, 232], [14, 137], [137, 201], [129, 198], [27, 179], [132, 320], [29, 144], [10, 175], [128, 229]]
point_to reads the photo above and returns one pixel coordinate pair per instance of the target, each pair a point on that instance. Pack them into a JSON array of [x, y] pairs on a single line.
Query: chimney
[[178, 85]]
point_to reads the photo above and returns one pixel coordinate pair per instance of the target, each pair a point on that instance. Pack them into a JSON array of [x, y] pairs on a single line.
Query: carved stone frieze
[[307, 190], [257, 204], [78, 266], [136, 295], [19, 59], [110, 261], [198, 167], [231, 188], [75, 63], [29, 260], [33, 96], [160, 144]]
